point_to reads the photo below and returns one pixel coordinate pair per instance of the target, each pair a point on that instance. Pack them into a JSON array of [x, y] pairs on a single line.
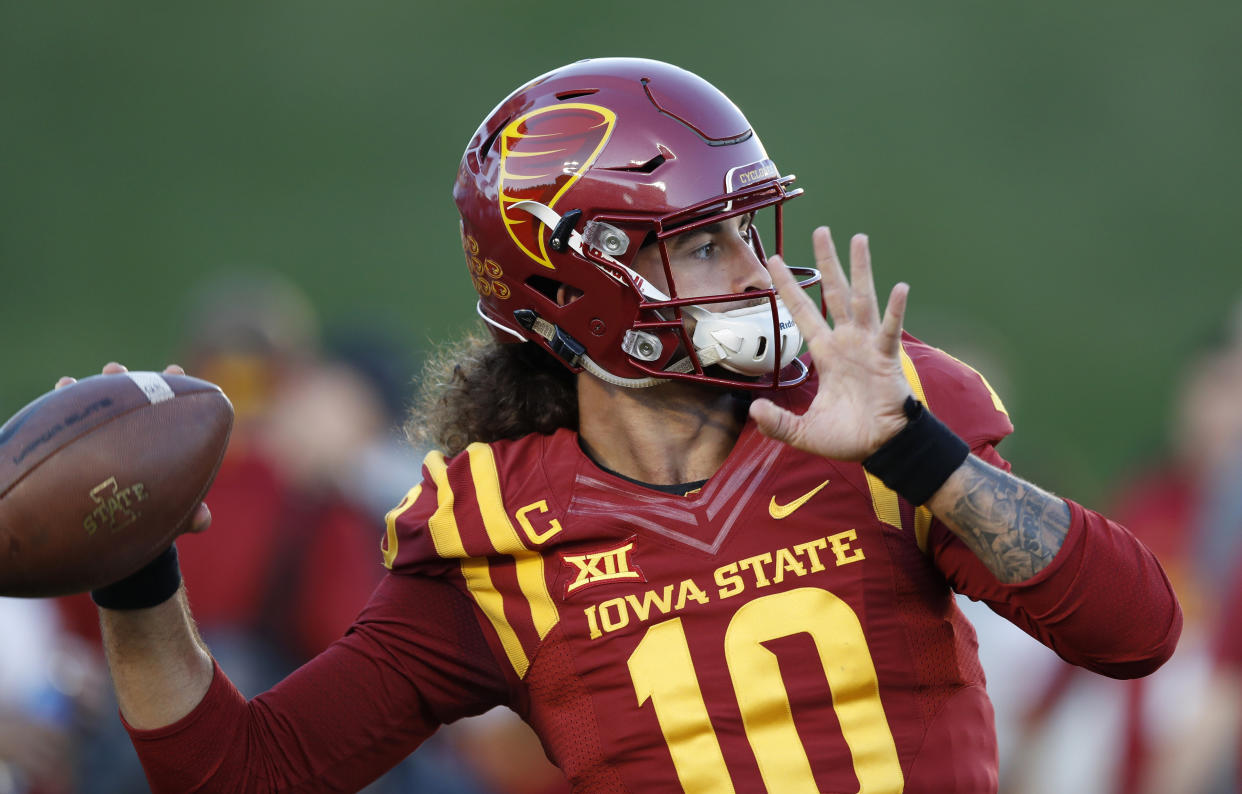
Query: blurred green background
[[1058, 181]]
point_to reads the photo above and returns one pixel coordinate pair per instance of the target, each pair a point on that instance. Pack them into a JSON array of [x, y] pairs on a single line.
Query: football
[[97, 478]]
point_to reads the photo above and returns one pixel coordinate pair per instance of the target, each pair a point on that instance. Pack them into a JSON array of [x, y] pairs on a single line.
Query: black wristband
[[149, 586], [917, 461]]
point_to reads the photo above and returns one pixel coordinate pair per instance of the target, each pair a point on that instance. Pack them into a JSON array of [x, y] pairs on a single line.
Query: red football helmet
[[575, 171]]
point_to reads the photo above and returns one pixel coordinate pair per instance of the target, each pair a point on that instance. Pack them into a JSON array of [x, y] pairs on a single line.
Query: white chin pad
[[742, 338]]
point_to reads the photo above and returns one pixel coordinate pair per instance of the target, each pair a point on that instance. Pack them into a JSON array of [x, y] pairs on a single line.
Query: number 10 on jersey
[[663, 674]]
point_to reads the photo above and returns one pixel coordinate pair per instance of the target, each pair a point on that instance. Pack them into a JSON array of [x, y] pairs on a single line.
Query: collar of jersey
[[677, 489]]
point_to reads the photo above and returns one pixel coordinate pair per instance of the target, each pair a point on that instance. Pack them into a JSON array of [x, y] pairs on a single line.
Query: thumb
[[774, 421], [201, 519]]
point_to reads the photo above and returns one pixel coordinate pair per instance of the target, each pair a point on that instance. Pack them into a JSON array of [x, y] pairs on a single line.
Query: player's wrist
[[918, 460], [149, 586]]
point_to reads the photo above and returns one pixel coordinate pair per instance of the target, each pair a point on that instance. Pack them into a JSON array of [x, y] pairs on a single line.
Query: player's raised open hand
[[858, 359]]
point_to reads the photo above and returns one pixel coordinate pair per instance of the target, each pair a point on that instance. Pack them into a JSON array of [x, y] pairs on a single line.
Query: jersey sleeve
[[959, 395], [459, 527], [1104, 602], [414, 659]]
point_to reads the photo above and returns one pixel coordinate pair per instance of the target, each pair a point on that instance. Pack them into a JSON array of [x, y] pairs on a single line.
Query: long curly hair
[[478, 389]]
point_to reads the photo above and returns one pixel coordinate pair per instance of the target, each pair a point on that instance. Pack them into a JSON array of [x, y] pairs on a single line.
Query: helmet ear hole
[[566, 294], [557, 293]]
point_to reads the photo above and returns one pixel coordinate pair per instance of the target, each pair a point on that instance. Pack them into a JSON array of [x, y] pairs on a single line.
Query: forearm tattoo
[[1014, 528]]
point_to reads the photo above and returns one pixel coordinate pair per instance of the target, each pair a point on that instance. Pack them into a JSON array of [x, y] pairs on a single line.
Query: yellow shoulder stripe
[[996, 400], [503, 535], [478, 578], [389, 544], [922, 516], [922, 525], [884, 499], [445, 535], [447, 540], [912, 375]]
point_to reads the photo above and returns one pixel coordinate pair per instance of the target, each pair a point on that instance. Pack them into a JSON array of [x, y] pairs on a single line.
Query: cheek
[[650, 266]]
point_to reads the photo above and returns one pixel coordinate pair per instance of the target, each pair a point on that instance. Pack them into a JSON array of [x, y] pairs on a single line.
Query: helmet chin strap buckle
[[567, 348], [564, 227], [563, 346]]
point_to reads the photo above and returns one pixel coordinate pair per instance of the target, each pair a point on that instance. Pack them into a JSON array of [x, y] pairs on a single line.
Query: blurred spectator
[[504, 755], [291, 556], [50, 685], [1202, 757], [494, 753], [315, 460], [1186, 510], [385, 467]]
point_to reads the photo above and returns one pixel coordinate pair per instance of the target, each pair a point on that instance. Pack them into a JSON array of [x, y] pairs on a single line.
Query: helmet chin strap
[[736, 339]]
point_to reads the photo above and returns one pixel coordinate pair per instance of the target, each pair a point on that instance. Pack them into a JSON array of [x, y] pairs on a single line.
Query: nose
[[745, 270]]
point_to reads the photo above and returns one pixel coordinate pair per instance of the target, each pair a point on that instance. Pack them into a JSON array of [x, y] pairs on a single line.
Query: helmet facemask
[[686, 338]]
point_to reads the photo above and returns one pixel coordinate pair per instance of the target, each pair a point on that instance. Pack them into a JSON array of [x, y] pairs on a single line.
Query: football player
[[689, 558]]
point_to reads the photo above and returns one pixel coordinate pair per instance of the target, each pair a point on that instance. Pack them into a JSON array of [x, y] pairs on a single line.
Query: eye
[[705, 251]]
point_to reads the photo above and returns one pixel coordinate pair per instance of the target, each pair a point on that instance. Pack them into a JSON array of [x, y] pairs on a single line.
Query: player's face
[[716, 259]]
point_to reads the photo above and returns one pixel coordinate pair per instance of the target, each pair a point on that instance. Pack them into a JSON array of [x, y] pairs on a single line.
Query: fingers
[[855, 299], [863, 304], [804, 310], [113, 368], [894, 319], [852, 299], [835, 288], [805, 313], [773, 421], [201, 519]]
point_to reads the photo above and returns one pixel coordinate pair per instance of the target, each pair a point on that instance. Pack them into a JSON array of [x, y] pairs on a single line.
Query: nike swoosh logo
[[781, 511]]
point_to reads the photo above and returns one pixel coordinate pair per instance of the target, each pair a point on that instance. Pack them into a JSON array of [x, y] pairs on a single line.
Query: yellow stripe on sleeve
[[996, 400], [479, 581], [884, 501], [389, 545], [503, 535], [912, 375], [922, 516], [445, 535], [922, 525]]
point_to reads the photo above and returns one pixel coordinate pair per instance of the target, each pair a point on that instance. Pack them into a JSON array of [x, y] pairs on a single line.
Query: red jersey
[[789, 627]]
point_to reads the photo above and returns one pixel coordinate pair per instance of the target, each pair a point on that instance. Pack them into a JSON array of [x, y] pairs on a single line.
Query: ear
[[566, 295]]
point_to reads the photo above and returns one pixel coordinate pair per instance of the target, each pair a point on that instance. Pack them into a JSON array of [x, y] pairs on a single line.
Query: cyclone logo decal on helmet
[[542, 154]]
